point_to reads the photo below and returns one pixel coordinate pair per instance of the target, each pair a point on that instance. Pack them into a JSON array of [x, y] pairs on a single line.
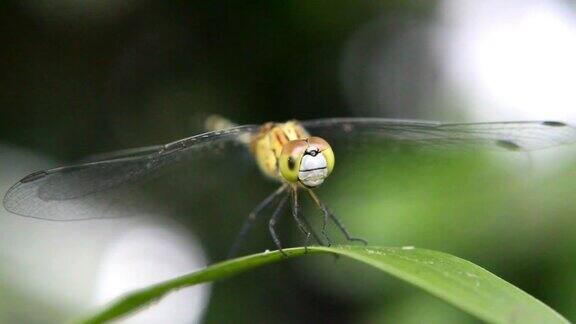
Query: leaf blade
[[465, 285]]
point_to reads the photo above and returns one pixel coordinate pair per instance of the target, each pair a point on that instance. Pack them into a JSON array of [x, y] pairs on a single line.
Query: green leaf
[[457, 281]]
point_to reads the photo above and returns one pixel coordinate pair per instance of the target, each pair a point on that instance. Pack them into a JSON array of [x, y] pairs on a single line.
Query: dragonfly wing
[[98, 187], [510, 136]]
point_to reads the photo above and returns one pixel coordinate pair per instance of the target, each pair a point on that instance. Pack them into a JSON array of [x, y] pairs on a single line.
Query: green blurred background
[[78, 78]]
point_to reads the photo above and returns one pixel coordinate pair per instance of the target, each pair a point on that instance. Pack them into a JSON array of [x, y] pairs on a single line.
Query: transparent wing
[[105, 185], [511, 136], [102, 186]]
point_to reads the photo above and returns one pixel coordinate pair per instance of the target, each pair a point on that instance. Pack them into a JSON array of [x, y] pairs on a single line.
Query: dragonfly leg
[[313, 232], [344, 230], [328, 213], [252, 218], [316, 237], [295, 213], [274, 220], [325, 212]]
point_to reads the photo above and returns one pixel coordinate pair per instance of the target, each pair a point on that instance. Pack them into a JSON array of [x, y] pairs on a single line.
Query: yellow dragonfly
[[296, 154]]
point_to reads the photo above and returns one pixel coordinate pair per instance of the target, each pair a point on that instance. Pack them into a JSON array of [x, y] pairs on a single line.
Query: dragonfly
[[298, 155]]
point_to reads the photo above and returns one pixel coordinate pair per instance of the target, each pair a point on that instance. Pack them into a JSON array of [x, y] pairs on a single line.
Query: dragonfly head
[[306, 161]]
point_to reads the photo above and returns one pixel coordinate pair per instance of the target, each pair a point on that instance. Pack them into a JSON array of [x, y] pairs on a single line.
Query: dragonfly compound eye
[[317, 163], [323, 147], [290, 159]]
